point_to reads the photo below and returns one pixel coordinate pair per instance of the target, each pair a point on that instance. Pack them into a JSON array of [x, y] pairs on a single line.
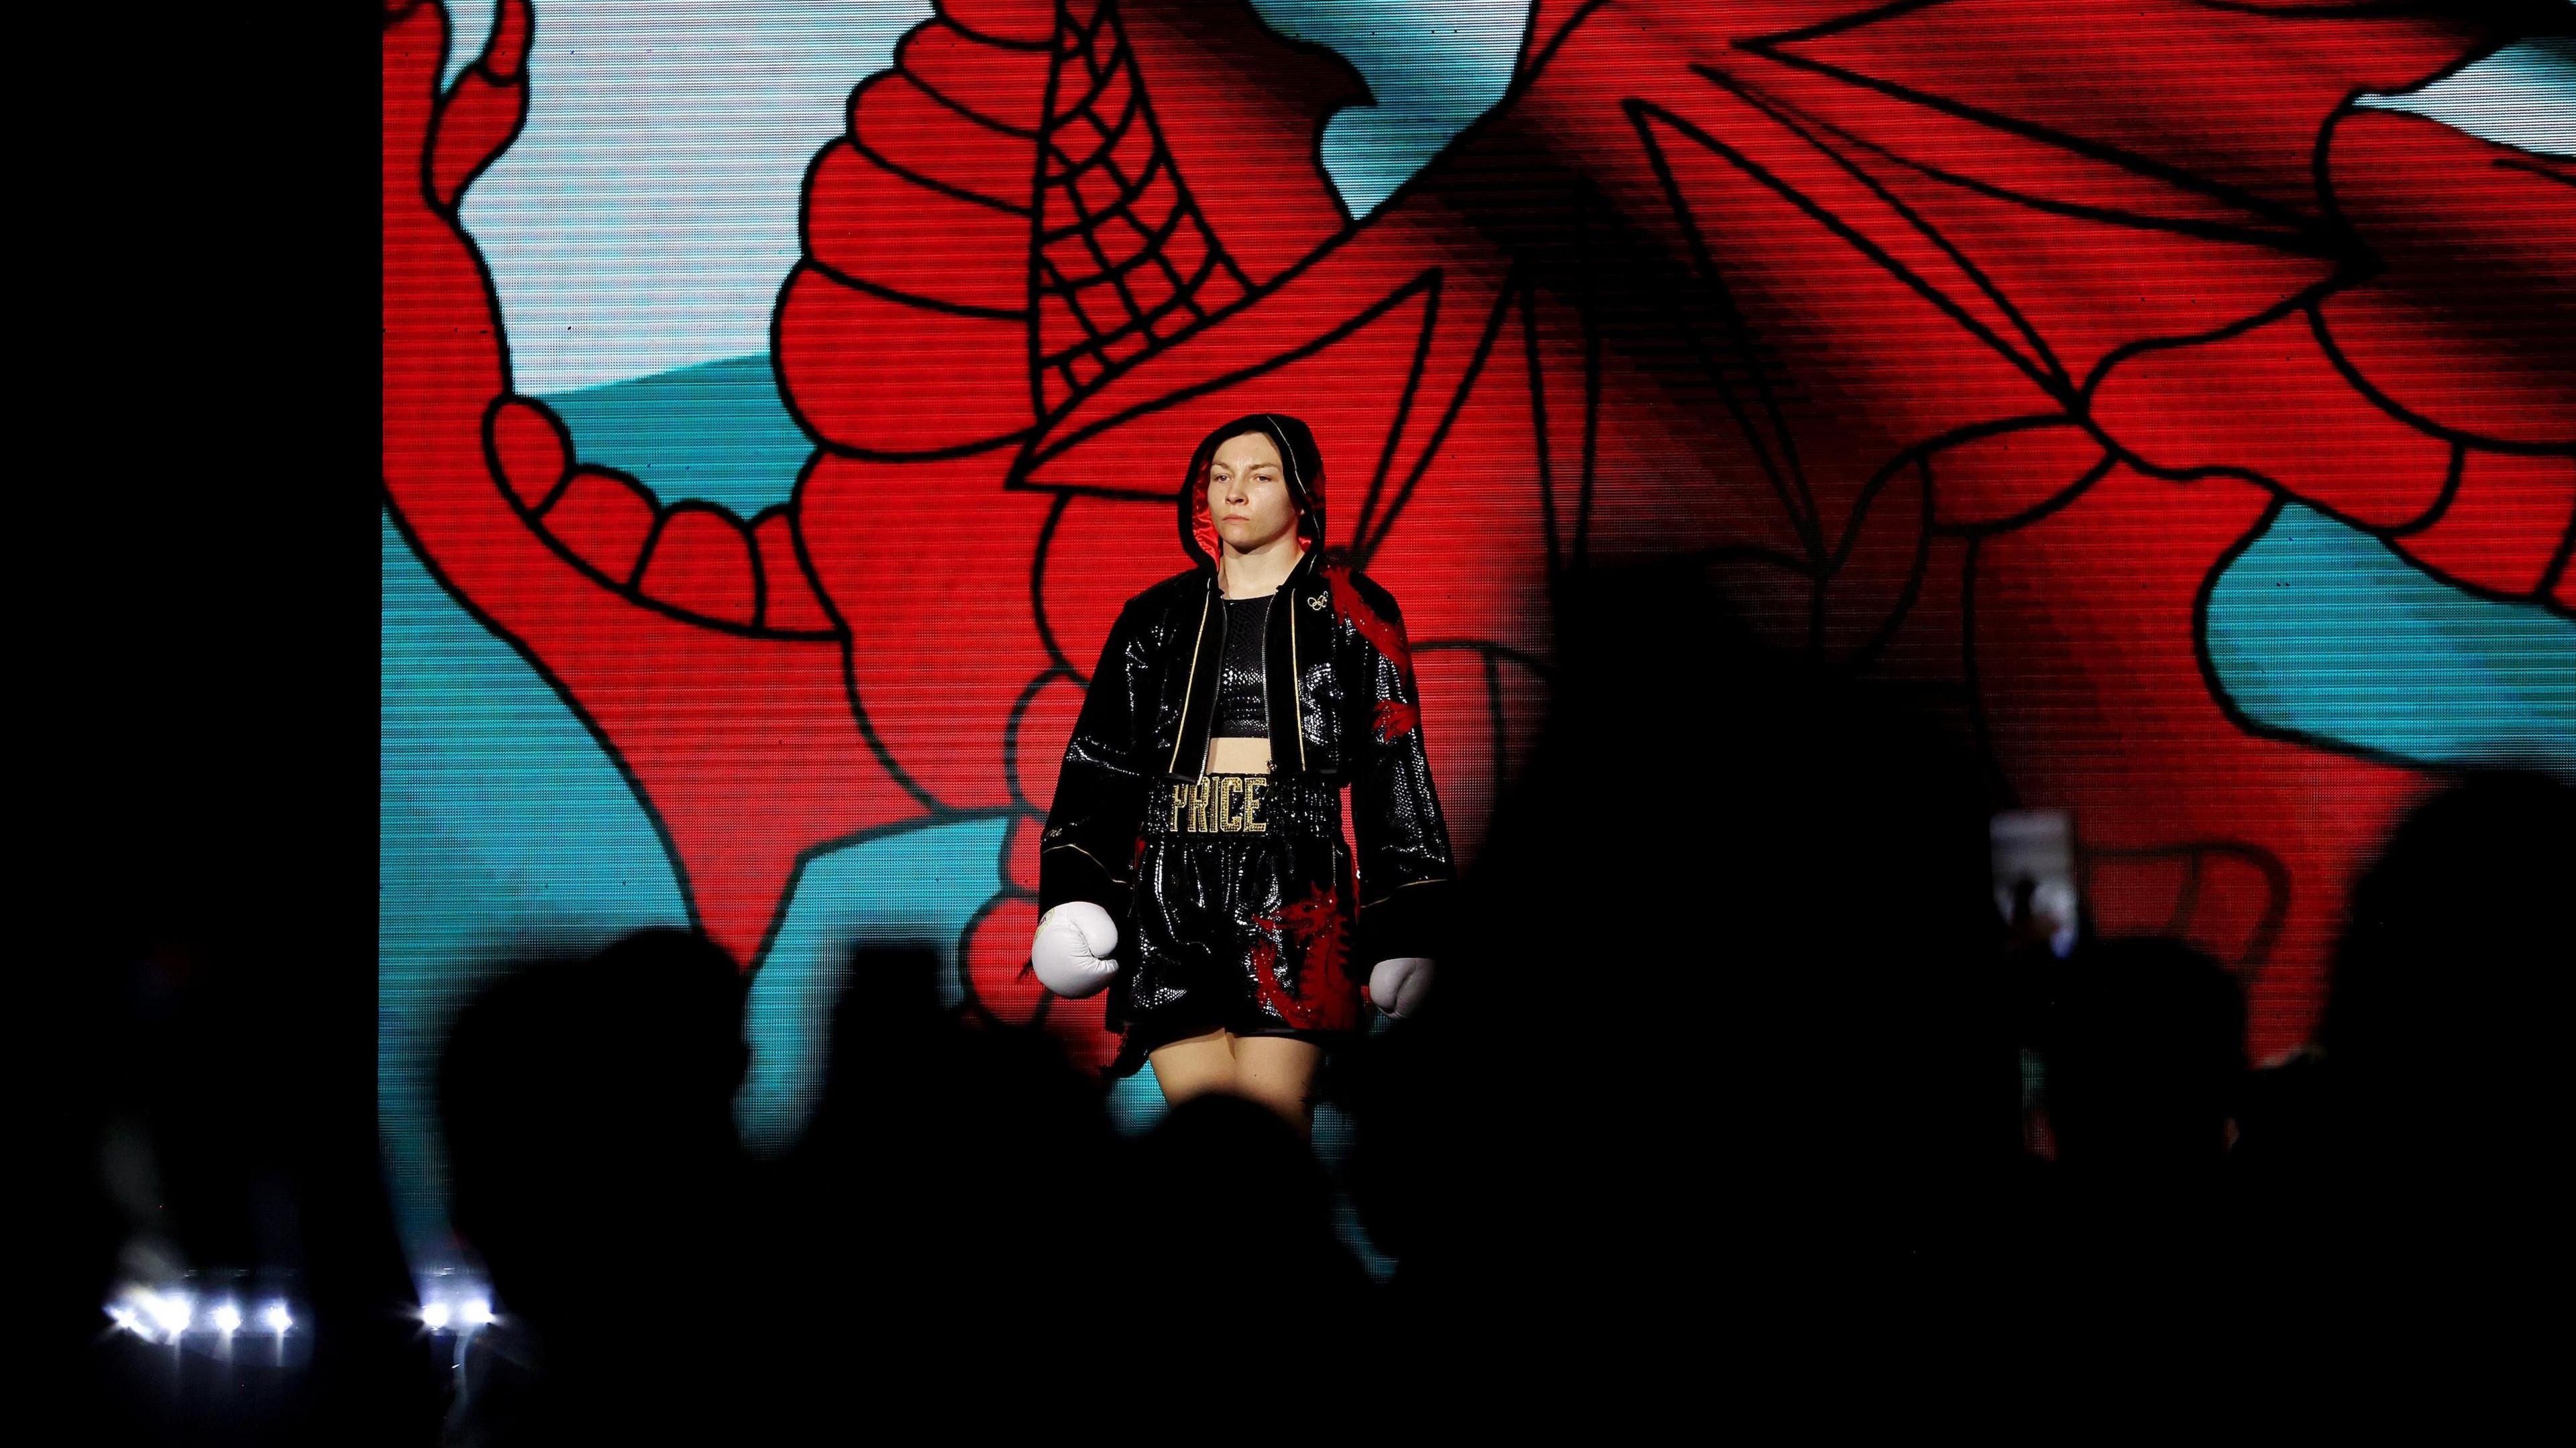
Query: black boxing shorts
[[1243, 915]]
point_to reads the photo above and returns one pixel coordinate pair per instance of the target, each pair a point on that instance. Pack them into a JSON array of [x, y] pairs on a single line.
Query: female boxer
[[1193, 862]]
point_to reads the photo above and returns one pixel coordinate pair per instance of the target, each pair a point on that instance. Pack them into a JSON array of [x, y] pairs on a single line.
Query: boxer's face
[[1247, 493]]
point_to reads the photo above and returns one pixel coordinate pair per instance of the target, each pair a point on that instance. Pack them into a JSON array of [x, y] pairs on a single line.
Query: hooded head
[[1301, 468]]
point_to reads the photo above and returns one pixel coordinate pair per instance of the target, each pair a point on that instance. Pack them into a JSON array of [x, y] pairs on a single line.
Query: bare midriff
[[1229, 754]]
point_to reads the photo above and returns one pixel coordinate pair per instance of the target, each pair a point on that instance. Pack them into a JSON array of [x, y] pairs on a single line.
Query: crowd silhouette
[[1730, 1074]]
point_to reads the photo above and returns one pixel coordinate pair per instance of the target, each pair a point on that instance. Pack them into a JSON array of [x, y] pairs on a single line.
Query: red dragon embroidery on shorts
[[1324, 997]]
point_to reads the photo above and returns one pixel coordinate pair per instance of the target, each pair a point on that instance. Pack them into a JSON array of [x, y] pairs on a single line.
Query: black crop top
[[1242, 708]]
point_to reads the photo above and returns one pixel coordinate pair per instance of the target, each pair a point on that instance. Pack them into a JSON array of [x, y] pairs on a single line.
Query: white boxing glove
[[1071, 951], [1399, 986]]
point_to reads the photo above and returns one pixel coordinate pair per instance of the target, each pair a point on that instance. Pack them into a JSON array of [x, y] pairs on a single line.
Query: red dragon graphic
[[1965, 341], [1314, 923]]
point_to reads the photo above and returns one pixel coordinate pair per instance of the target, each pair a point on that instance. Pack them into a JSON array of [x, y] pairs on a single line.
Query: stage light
[[278, 1320], [127, 1318], [434, 1316], [228, 1319], [171, 1311], [478, 1313]]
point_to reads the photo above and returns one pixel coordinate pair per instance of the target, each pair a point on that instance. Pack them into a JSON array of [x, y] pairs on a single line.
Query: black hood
[[1305, 468]]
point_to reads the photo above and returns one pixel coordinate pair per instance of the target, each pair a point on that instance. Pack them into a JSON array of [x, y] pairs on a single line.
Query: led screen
[[781, 399]]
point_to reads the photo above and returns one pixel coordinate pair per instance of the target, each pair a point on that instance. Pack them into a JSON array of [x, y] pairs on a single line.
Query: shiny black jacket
[[1343, 708]]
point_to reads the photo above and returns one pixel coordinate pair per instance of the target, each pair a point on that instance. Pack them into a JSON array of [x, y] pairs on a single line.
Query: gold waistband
[[1240, 804]]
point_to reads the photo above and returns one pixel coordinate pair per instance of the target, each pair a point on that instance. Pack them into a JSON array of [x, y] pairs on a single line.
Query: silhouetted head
[[2146, 1057], [887, 1014], [1780, 932], [2446, 981], [953, 1172], [587, 1107], [1229, 1196], [1810, 875]]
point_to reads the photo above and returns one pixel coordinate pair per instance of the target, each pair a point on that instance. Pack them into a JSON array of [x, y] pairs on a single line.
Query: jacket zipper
[[1190, 684], [1265, 674], [1296, 689]]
